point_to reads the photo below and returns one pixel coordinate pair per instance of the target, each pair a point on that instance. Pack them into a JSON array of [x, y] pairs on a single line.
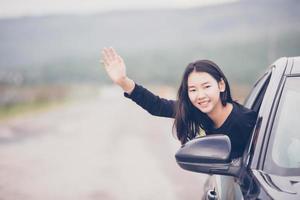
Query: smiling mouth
[[204, 103]]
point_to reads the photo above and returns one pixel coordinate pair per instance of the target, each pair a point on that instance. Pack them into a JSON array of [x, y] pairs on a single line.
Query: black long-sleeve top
[[238, 125]]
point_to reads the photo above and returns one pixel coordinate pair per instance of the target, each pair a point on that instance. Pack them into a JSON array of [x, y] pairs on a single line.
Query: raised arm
[[154, 104], [116, 69]]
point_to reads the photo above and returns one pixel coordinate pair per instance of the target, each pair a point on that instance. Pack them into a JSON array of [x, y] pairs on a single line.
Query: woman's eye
[[192, 90], [207, 86]]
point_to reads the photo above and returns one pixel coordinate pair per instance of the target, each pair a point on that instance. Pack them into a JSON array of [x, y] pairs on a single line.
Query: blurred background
[[67, 133]]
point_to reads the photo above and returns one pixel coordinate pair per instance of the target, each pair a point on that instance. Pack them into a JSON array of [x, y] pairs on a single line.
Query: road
[[101, 148]]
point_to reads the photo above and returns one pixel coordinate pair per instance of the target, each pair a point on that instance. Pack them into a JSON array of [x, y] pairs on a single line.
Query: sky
[[16, 8]]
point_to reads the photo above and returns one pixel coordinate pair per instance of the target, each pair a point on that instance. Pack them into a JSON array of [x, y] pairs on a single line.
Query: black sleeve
[[153, 104]]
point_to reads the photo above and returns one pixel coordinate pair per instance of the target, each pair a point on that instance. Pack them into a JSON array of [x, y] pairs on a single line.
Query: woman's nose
[[200, 95]]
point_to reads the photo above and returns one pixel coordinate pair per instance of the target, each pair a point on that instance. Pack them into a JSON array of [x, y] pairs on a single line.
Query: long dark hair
[[189, 119]]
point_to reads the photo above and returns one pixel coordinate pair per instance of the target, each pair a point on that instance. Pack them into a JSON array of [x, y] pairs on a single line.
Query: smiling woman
[[204, 102]]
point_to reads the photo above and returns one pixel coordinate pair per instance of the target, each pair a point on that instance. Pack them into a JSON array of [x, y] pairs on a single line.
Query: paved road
[[102, 148]]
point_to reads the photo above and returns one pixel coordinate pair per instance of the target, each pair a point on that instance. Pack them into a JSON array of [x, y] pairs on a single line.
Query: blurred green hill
[[242, 37]]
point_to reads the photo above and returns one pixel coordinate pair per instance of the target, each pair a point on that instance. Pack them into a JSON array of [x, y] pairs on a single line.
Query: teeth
[[203, 103]]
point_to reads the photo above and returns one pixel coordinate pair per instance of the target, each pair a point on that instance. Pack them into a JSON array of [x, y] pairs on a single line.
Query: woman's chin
[[205, 109]]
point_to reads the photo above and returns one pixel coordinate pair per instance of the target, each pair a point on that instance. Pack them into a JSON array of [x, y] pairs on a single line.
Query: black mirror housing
[[209, 154]]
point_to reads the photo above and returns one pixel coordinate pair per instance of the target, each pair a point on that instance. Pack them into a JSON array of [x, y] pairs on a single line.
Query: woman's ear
[[222, 85]]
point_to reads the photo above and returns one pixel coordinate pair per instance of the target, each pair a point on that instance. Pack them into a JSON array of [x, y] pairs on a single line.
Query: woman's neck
[[220, 114]]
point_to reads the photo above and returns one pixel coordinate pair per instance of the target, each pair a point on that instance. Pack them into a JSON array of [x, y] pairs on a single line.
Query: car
[[270, 165]]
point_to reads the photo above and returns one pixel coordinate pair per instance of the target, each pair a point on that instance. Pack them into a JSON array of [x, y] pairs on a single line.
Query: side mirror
[[209, 154]]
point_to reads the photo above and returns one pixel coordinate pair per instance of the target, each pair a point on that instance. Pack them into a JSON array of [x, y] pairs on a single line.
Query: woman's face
[[204, 91]]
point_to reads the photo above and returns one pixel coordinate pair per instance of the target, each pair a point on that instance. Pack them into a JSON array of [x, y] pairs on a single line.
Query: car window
[[285, 150], [253, 101]]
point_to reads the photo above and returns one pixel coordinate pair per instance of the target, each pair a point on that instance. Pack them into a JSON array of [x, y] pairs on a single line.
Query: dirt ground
[[104, 148]]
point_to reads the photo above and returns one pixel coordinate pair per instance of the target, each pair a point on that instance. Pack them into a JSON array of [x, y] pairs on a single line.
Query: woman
[[204, 102]]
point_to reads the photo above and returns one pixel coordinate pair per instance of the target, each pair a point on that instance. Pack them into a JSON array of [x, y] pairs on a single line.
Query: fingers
[[113, 53], [105, 57], [120, 60], [109, 56], [104, 62]]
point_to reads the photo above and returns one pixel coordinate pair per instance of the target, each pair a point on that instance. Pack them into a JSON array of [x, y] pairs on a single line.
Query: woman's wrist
[[127, 85]]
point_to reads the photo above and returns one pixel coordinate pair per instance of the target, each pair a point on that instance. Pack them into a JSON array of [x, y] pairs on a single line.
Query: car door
[[227, 187]]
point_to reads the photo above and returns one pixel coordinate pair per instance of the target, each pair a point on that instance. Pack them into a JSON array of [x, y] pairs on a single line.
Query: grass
[[12, 111]]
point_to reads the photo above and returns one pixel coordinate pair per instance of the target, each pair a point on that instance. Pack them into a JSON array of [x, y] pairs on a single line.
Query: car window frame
[[261, 84], [255, 97], [268, 163], [279, 70]]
